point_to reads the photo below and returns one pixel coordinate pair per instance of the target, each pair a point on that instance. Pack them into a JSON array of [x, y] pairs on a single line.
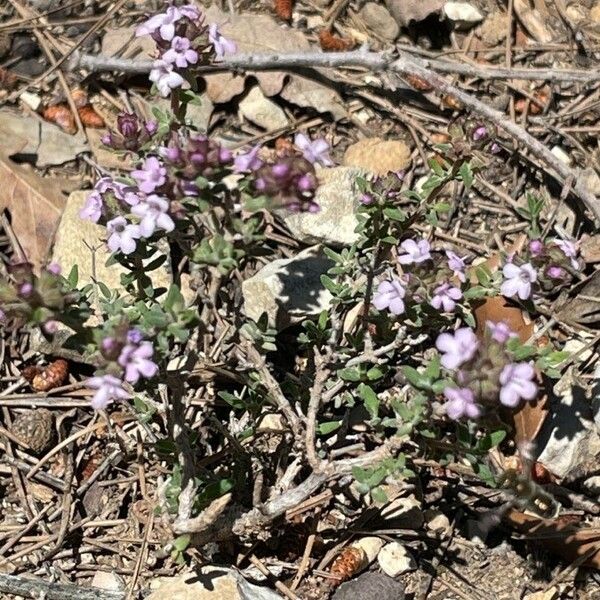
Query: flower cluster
[[131, 134], [183, 41], [439, 288], [131, 212], [550, 266], [484, 372], [128, 358]]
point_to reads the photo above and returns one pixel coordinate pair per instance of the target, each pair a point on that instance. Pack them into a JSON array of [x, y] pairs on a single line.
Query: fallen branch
[[404, 65], [27, 587]]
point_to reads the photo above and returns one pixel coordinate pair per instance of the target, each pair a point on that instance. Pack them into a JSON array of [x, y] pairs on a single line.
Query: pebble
[[462, 14], [394, 559], [379, 19]]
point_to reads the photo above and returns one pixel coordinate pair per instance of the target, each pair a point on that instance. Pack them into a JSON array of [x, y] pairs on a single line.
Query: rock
[[379, 19], [551, 594], [406, 512], [592, 485], [209, 583], [394, 559], [336, 222], [288, 290], [437, 521], [569, 441], [462, 14], [108, 580], [122, 41], [370, 545], [378, 156], [561, 154], [405, 11], [256, 107], [595, 13], [493, 29], [370, 586], [80, 242]]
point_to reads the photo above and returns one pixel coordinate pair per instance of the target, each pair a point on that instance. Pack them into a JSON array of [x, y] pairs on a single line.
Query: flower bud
[[367, 199], [479, 133], [127, 125], [151, 127], [25, 290], [555, 272], [536, 247]]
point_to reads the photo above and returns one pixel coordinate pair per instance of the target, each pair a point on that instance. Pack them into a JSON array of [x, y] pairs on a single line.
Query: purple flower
[[555, 272], [316, 151], [518, 280], [151, 175], [134, 336], [163, 23], [50, 326], [416, 252], [516, 380], [190, 11], [461, 403], [445, 296], [367, 199], [390, 295], [181, 53], [500, 331], [247, 161], [165, 78], [536, 247], [136, 361], [53, 268], [92, 209], [25, 289], [457, 348], [127, 124], [109, 389], [221, 45], [107, 139], [122, 235], [151, 127], [457, 265], [153, 215], [569, 249], [494, 148], [108, 344], [479, 133]]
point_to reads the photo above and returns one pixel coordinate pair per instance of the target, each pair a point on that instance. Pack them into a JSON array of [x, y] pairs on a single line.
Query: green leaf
[[375, 373], [73, 276], [378, 494], [328, 427], [395, 214], [182, 542], [433, 370], [419, 380], [350, 374], [330, 285], [466, 174], [370, 399]]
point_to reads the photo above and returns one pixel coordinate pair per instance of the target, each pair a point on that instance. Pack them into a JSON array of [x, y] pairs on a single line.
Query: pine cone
[[348, 563], [35, 428], [43, 379]]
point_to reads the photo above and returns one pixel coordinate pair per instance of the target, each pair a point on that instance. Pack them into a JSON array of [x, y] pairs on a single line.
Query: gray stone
[[336, 222], [256, 107], [379, 20], [394, 559], [370, 586], [288, 290]]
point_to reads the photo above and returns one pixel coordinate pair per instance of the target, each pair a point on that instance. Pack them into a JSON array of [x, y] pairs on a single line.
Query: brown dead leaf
[[405, 11], [568, 539], [35, 206], [584, 306], [590, 248], [255, 33]]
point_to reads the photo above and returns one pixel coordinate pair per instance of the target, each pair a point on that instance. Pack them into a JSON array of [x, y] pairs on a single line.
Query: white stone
[[108, 580], [394, 559], [437, 521], [561, 154], [256, 107], [32, 100], [370, 545], [462, 14]]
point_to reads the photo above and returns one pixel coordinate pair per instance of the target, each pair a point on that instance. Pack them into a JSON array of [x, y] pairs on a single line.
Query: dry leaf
[[61, 115], [584, 307], [283, 9], [571, 540], [35, 206], [89, 117], [334, 43], [405, 11]]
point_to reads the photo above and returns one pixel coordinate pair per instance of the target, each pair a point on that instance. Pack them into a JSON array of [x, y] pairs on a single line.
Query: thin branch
[[27, 587]]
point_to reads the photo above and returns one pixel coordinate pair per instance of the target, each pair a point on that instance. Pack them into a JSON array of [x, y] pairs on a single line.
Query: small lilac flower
[[151, 127], [445, 296], [461, 403], [221, 45], [555, 272], [457, 348], [494, 148], [108, 344], [518, 280], [109, 389], [316, 151], [50, 326], [181, 53], [367, 199], [107, 139], [416, 252], [165, 78], [569, 249], [457, 265], [133, 197], [247, 161], [479, 133], [53, 268], [153, 215], [390, 294], [536, 247], [163, 23], [190, 11], [134, 336], [92, 209], [136, 361], [25, 289], [500, 331], [122, 235], [151, 175], [516, 380]]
